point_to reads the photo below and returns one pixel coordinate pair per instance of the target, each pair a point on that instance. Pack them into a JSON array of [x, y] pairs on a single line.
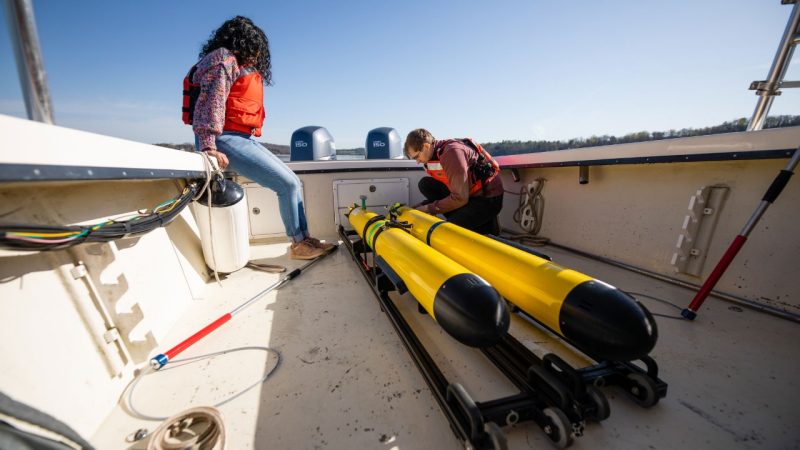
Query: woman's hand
[[222, 160]]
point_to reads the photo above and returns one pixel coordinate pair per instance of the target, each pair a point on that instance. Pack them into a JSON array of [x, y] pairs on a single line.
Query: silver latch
[[111, 335], [78, 271]]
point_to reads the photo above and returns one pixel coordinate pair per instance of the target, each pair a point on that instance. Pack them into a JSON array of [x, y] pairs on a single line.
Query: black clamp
[[397, 224], [394, 209]]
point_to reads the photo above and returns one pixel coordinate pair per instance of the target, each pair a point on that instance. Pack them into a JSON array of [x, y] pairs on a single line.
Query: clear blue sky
[[522, 69]]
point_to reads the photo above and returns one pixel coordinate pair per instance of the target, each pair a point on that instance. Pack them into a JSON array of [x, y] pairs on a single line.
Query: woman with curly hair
[[229, 111]]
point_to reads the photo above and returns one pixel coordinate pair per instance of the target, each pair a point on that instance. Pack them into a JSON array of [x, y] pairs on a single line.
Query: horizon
[[519, 71], [771, 117]]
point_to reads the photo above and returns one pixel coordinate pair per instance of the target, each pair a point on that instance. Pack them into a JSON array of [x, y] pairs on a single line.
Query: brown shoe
[[304, 250], [319, 244]]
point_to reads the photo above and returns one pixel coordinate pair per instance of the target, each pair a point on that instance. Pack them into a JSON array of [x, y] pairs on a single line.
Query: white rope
[[531, 207], [172, 365], [212, 169]]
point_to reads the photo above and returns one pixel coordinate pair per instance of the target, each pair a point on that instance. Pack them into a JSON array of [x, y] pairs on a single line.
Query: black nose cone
[[470, 309], [606, 323]]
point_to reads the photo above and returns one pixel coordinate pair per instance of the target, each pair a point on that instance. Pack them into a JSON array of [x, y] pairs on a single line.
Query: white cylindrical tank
[[225, 234]]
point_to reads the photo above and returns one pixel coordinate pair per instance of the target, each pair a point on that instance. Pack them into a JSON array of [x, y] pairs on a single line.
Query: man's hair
[[415, 139], [246, 41]]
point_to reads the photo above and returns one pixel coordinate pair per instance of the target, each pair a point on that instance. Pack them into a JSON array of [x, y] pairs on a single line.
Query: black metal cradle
[[553, 394]]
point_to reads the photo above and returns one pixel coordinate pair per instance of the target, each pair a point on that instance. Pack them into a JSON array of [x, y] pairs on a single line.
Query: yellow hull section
[[533, 284], [422, 268]]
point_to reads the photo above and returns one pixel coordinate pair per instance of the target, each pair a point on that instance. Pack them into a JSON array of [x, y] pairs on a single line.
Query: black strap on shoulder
[[484, 158], [469, 143]]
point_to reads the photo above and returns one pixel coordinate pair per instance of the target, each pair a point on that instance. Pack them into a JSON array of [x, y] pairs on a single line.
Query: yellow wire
[[100, 225], [173, 202], [166, 210], [26, 234], [55, 235]]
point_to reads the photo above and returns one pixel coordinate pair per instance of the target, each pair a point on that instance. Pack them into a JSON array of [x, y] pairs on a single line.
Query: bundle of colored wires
[[54, 237]]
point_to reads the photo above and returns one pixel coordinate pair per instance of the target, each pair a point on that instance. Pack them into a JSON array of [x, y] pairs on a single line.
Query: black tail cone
[[606, 323], [470, 310]]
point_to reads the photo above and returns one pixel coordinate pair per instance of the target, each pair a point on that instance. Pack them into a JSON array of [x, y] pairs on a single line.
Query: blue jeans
[[249, 158]]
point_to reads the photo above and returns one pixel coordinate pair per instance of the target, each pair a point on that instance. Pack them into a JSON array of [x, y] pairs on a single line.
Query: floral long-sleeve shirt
[[215, 73]]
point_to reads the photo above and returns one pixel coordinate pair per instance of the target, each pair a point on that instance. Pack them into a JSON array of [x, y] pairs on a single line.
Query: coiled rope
[[529, 213], [198, 428]]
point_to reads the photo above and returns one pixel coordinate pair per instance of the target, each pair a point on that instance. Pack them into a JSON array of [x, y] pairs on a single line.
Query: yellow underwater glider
[[597, 318], [462, 303]]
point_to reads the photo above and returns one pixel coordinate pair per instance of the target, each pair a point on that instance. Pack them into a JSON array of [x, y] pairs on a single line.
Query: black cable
[[661, 300], [105, 233]]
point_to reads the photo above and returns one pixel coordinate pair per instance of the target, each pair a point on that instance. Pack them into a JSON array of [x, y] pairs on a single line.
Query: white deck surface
[[345, 380]]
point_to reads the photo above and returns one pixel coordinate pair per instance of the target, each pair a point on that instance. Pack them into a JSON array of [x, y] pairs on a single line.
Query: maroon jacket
[[456, 158]]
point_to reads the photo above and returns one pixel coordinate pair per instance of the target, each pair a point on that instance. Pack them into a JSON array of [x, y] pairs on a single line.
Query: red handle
[[188, 342], [723, 264]]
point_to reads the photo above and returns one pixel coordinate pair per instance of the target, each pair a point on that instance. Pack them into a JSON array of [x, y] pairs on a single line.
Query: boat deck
[[345, 379]]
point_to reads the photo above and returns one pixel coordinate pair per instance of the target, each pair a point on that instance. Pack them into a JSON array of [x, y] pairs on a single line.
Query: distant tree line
[[187, 147], [515, 147], [274, 148]]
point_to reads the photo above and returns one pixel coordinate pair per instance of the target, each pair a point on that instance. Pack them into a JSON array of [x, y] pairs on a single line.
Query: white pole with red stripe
[[772, 193], [162, 359]]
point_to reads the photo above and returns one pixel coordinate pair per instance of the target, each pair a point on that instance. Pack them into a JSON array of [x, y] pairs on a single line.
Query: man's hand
[[222, 160], [421, 207]]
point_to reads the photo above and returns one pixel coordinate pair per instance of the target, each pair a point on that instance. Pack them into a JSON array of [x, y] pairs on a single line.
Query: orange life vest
[[191, 91], [484, 170], [244, 108]]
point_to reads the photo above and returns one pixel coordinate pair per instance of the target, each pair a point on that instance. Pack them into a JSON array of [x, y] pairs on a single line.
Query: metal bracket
[[79, 271], [391, 275], [698, 228], [767, 88], [111, 335]]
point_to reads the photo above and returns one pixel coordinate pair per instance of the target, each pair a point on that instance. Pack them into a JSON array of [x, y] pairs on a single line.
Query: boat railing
[[768, 89], [30, 65]]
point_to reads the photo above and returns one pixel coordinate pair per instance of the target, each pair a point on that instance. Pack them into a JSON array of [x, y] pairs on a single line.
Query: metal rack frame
[[553, 394]]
